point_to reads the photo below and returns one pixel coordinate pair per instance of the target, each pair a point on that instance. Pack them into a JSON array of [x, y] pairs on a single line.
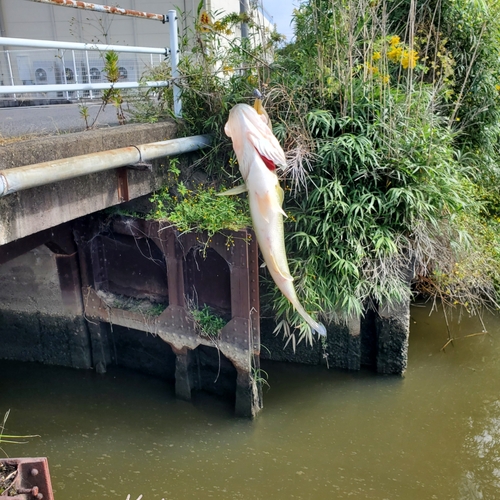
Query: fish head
[[240, 118], [253, 140]]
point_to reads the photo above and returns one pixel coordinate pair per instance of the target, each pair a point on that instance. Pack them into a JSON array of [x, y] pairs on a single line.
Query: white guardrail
[[81, 68]]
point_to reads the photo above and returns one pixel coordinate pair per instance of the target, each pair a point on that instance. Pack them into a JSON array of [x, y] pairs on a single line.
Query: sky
[[281, 13]]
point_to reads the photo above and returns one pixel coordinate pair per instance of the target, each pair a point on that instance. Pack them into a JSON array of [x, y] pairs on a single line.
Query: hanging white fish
[[259, 153]]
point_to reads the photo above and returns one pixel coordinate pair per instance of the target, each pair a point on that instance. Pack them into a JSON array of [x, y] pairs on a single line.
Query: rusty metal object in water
[[30, 479]]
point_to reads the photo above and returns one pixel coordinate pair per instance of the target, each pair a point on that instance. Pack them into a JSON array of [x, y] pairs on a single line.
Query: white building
[[44, 21]]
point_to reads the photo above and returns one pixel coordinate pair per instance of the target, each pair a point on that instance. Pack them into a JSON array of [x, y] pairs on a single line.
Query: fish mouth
[[257, 94]]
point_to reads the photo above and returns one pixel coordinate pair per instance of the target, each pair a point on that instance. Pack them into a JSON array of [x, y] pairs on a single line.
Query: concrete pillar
[[71, 293], [342, 346], [393, 329], [101, 354], [248, 393], [183, 373]]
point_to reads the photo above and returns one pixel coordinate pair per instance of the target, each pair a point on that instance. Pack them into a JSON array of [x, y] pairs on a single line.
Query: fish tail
[[315, 325]]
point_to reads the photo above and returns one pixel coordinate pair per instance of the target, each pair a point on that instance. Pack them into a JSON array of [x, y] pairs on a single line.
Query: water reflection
[[483, 449], [322, 434]]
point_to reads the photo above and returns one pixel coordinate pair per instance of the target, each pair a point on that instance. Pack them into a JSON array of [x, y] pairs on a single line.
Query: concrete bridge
[[80, 287]]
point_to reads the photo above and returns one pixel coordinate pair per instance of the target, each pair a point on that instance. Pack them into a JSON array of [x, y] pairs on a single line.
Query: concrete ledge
[[55, 147], [40, 208]]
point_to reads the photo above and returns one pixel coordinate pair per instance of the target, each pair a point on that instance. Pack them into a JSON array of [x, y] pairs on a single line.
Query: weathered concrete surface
[[37, 322], [379, 340], [30, 283], [35, 209], [49, 339], [340, 349], [393, 327]]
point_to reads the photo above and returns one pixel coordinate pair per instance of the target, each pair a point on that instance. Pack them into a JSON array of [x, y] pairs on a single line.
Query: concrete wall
[[35, 209], [36, 323], [30, 283], [25, 19]]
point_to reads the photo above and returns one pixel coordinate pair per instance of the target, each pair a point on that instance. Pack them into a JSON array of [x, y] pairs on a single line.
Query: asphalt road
[[51, 119]]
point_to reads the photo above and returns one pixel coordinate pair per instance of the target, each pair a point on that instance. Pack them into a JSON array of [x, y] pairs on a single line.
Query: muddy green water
[[323, 434]]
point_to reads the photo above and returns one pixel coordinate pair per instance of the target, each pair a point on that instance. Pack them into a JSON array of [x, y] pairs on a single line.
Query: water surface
[[323, 433]]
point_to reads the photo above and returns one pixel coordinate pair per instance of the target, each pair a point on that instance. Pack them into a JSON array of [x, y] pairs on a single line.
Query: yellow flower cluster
[[204, 21], [205, 24], [409, 59], [222, 28], [398, 54], [395, 53]]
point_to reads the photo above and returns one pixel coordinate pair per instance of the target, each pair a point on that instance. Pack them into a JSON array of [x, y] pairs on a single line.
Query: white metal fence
[[42, 67], [68, 70]]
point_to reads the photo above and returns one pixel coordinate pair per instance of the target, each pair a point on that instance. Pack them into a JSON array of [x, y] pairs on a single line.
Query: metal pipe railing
[[40, 174], [50, 44], [171, 18], [61, 87]]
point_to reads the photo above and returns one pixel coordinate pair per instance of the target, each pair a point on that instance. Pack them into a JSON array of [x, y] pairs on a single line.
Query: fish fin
[[285, 275], [281, 197], [321, 329], [235, 190], [227, 129], [281, 194], [267, 145], [266, 203]]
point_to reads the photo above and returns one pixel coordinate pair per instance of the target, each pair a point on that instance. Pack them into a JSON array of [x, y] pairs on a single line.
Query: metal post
[[174, 61], [244, 11], [65, 77], [89, 76], [76, 74], [10, 72]]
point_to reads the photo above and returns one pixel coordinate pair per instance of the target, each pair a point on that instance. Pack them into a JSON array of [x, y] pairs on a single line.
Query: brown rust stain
[[107, 8]]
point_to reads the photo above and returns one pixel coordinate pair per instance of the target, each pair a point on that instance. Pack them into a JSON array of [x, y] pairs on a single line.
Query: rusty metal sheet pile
[[151, 260]]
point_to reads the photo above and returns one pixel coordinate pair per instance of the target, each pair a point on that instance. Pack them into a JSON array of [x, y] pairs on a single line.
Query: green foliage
[[109, 96], [390, 188], [113, 95], [155, 103], [207, 322], [389, 114], [144, 307], [371, 187], [10, 439], [260, 376], [198, 209], [84, 113]]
